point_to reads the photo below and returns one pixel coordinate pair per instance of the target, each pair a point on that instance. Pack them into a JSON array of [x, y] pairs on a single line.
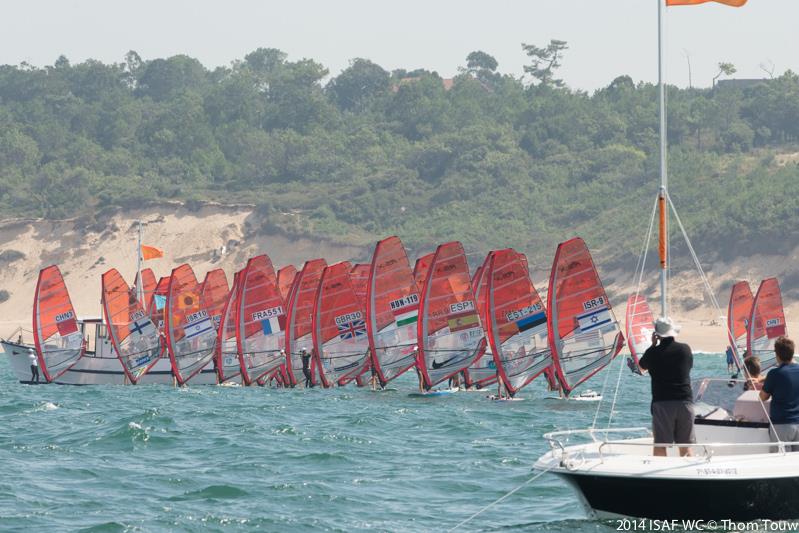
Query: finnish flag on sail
[[198, 328], [594, 319], [143, 326]]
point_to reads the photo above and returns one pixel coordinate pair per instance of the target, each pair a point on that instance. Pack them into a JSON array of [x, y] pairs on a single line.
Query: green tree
[[545, 61]]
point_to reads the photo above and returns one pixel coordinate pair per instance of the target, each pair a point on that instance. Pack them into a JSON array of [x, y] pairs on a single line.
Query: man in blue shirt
[[782, 387]]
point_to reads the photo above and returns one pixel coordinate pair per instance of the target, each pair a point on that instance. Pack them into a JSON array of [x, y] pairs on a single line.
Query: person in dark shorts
[[34, 366], [669, 364], [306, 367], [782, 388]]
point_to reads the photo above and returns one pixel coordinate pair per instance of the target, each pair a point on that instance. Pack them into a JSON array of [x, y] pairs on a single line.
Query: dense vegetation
[[486, 158]]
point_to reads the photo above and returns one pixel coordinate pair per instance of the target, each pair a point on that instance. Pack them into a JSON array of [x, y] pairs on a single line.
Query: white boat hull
[[92, 369]]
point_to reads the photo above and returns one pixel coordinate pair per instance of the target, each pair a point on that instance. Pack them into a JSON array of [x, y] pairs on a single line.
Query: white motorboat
[[735, 473]]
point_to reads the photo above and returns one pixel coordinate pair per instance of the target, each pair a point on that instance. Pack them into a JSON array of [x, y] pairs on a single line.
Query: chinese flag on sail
[[733, 3], [150, 252]]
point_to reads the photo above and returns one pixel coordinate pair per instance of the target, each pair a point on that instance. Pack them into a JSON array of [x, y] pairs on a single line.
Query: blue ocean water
[[112, 458]]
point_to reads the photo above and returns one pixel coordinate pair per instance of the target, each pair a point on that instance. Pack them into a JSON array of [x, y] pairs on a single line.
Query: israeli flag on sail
[[271, 325], [596, 318], [198, 328]]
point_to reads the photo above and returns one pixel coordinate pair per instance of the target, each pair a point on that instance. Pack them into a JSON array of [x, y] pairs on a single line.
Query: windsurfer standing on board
[[669, 364], [306, 367], [34, 366]]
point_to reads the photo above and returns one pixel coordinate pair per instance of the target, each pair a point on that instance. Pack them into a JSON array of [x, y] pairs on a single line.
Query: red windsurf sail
[[449, 330], [639, 325], [517, 322], [157, 303], [190, 333], [392, 310], [421, 269], [214, 294], [56, 332], [341, 345], [261, 321], [285, 279], [584, 335], [148, 286], [360, 278], [483, 371], [134, 336], [738, 313], [227, 351], [766, 322], [300, 311]]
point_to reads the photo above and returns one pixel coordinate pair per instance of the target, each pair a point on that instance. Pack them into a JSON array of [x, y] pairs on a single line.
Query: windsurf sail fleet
[[148, 286], [299, 341], [392, 310], [261, 319], [56, 333], [214, 295], [738, 312], [135, 338], [584, 335], [227, 351], [639, 326], [516, 322], [157, 303], [766, 322], [449, 330], [190, 333], [341, 345]]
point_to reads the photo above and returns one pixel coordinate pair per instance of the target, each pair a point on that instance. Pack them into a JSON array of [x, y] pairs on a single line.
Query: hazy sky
[[606, 37]]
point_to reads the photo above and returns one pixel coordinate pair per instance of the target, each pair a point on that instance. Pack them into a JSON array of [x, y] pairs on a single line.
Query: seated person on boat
[[754, 380], [782, 387], [669, 364]]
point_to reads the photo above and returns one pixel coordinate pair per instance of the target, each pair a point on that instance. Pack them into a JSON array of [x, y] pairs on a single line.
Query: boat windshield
[[711, 393]]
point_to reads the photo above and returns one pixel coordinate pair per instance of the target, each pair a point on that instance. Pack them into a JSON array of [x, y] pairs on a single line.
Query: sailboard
[[157, 303], [148, 286], [190, 333], [135, 338], [56, 334], [449, 330], [639, 324], [421, 268], [483, 371], [214, 294], [766, 323], [739, 311], [584, 335], [261, 329], [298, 327], [285, 279], [392, 310], [227, 351], [341, 345], [516, 321]]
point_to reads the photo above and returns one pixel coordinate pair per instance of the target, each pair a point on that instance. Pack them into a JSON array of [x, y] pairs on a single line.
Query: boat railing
[[559, 440]]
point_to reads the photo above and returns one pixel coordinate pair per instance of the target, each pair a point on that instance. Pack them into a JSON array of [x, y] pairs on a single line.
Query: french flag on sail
[[272, 325], [594, 319], [198, 328]]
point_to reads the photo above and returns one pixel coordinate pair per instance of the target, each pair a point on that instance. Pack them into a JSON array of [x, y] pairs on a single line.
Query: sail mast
[[663, 235]]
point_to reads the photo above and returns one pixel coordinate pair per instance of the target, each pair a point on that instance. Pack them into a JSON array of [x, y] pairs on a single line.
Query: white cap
[[665, 327]]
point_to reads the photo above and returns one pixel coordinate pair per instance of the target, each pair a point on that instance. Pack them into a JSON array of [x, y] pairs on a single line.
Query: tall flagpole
[[139, 283], [664, 179]]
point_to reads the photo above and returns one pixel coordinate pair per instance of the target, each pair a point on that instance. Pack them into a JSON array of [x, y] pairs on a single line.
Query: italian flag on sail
[[407, 317]]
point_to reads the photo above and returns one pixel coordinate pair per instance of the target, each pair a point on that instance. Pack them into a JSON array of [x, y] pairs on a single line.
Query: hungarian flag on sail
[[150, 252], [733, 3]]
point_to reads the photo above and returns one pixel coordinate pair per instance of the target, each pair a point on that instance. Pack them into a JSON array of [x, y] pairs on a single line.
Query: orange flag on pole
[[150, 252], [733, 3]]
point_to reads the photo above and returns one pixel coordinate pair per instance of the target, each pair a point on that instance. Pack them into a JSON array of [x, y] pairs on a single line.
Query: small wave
[[106, 526], [46, 406], [212, 492]]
